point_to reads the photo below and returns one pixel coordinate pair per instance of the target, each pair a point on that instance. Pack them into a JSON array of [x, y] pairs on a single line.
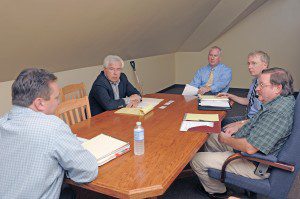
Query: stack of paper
[[191, 120], [211, 100], [105, 148], [144, 107]]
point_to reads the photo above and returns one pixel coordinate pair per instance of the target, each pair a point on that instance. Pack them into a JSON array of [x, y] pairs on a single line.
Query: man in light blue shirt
[[213, 78], [37, 148], [257, 62]]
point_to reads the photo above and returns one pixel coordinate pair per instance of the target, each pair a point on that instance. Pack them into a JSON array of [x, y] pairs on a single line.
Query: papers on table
[[205, 122], [186, 125], [105, 148], [149, 101], [213, 98], [202, 117], [144, 107], [190, 90], [136, 111], [214, 101]]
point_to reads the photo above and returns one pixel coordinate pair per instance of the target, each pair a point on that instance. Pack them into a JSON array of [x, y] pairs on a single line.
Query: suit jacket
[[101, 96]]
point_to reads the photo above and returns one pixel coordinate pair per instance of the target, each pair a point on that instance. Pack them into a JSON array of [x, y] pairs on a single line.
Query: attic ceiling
[[69, 34]]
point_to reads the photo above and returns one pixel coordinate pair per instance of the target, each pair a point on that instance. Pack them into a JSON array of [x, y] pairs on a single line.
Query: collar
[[271, 103]]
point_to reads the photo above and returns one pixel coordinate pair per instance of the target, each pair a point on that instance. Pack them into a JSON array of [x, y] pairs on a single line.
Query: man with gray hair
[[266, 132], [37, 148], [112, 90], [213, 78], [257, 62]]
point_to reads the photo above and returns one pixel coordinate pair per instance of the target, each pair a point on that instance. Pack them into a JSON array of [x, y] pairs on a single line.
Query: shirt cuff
[[126, 100]]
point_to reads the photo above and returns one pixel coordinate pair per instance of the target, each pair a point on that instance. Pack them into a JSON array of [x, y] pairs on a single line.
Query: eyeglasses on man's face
[[262, 85]]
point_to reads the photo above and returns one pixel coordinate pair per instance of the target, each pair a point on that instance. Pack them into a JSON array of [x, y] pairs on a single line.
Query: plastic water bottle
[[139, 148]]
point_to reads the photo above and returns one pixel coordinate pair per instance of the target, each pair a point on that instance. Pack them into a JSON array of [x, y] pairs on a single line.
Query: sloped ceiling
[[69, 34]]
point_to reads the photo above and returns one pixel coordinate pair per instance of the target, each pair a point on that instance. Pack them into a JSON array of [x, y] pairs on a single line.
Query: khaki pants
[[214, 155]]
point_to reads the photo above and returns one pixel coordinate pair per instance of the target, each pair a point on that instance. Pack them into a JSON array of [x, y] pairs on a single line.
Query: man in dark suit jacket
[[112, 90]]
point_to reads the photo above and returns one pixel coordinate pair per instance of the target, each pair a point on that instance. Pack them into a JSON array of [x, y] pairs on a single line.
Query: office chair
[[284, 167]]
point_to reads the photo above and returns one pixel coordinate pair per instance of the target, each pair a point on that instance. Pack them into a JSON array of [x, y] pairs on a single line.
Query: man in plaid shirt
[[266, 132]]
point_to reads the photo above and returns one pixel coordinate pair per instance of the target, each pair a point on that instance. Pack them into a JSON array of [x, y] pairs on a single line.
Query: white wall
[[274, 28], [155, 73]]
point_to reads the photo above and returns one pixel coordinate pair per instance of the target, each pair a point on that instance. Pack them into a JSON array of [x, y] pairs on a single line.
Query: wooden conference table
[[167, 150]]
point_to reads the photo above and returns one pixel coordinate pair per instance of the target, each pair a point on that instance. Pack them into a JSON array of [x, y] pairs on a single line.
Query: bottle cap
[[138, 123]]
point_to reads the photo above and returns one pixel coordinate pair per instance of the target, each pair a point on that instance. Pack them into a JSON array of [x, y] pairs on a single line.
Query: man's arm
[[240, 144], [197, 80], [240, 100], [79, 164]]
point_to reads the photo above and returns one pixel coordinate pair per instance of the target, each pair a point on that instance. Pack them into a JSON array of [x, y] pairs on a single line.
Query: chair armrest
[[236, 156], [259, 155]]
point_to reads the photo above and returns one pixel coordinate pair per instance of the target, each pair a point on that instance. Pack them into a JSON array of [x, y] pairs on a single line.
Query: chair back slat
[[72, 91], [74, 111]]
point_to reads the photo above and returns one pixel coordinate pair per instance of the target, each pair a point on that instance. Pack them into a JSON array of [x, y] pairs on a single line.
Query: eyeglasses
[[263, 85]]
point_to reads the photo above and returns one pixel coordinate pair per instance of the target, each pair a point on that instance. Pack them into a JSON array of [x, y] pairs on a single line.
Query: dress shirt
[[221, 80], [37, 150], [115, 88], [256, 105], [269, 129]]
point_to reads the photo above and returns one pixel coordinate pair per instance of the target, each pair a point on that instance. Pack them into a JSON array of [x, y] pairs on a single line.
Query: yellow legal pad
[[136, 111], [202, 117]]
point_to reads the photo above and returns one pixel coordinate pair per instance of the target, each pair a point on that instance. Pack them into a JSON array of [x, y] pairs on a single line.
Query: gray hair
[[281, 77], [112, 58], [264, 57], [216, 47], [31, 84]]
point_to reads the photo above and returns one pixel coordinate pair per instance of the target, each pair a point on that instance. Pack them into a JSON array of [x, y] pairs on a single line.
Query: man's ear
[[278, 89], [39, 104]]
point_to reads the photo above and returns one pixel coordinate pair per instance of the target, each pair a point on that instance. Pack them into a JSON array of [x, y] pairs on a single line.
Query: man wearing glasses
[[213, 78], [266, 132], [112, 90], [257, 62]]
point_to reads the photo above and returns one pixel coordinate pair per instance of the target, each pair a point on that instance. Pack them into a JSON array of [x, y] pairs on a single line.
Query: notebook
[[105, 148], [136, 111]]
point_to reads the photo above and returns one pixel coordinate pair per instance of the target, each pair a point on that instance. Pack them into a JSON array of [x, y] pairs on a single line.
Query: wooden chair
[[72, 91], [74, 110]]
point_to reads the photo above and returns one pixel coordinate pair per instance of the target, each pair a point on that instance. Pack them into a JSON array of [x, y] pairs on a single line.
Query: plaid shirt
[[269, 129], [36, 150]]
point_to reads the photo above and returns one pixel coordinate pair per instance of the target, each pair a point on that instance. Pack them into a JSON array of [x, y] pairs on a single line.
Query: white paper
[[186, 125], [149, 101], [215, 103], [190, 90]]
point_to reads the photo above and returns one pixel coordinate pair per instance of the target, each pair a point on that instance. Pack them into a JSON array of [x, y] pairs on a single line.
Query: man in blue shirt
[[257, 62], [37, 148], [213, 78]]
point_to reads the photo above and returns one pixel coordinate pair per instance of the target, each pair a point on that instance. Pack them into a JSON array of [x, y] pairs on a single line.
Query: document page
[[149, 101], [215, 103], [190, 90], [186, 125]]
